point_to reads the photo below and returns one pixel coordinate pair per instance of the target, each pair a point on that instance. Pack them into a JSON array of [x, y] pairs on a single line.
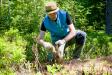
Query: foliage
[[20, 14], [27, 15], [97, 45], [54, 68], [21, 19], [12, 49], [86, 15]]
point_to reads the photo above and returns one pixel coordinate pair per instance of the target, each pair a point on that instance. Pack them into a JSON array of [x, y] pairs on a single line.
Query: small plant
[[54, 68]]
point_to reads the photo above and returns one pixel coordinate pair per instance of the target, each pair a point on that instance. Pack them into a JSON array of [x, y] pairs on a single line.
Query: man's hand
[[61, 50], [60, 42], [47, 45]]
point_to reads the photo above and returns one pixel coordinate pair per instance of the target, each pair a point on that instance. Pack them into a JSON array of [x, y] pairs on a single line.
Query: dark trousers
[[79, 42]]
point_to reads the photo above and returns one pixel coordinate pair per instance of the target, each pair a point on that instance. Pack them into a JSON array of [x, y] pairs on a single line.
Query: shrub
[[12, 49]]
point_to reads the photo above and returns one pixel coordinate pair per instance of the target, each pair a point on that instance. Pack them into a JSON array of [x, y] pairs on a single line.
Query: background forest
[[20, 22]]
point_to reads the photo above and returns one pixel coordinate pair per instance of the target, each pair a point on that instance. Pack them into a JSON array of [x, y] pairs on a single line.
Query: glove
[[59, 54], [47, 45], [60, 42], [61, 50]]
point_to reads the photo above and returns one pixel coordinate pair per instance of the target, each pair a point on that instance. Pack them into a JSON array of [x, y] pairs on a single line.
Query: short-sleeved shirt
[[68, 21]]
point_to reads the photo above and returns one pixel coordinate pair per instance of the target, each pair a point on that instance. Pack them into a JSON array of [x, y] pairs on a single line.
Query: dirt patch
[[99, 66]]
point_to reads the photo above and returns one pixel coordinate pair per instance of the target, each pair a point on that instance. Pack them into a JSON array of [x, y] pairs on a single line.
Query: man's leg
[[80, 39]]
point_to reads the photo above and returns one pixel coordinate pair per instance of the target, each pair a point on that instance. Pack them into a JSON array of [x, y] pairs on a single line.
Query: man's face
[[52, 16]]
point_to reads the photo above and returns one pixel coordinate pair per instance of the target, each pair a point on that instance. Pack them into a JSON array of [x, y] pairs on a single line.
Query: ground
[[99, 66]]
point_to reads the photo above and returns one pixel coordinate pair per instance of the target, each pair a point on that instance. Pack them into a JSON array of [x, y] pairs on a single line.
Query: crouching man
[[62, 30]]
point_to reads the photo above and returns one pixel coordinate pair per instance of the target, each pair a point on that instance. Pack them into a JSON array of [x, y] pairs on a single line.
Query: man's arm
[[71, 34], [40, 39], [46, 45], [71, 28]]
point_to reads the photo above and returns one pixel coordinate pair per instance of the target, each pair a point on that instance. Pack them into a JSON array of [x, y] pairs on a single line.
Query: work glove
[[60, 42], [61, 50], [60, 53], [49, 46]]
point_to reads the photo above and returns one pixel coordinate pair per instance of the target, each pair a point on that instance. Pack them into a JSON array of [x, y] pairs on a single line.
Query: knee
[[81, 37], [81, 34]]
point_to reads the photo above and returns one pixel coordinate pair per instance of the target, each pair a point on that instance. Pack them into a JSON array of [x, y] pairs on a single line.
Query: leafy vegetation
[[20, 22], [12, 51]]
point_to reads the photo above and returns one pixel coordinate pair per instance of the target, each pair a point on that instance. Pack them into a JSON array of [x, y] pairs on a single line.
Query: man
[[61, 28]]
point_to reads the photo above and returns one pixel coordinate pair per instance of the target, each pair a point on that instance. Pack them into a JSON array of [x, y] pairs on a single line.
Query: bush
[[12, 49], [98, 44]]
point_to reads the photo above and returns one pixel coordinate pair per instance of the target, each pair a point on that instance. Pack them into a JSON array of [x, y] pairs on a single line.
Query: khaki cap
[[51, 7]]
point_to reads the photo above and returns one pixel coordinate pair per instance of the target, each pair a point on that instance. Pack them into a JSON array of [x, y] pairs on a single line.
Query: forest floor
[[99, 66]]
